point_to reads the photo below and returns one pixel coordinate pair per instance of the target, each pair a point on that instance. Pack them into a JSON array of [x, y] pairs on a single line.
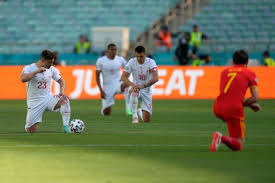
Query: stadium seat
[[46, 22], [235, 21]]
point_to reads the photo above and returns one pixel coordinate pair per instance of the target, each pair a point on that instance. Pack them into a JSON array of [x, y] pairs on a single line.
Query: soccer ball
[[77, 126]]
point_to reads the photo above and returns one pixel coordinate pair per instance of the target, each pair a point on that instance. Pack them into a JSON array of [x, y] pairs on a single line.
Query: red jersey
[[234, 82]]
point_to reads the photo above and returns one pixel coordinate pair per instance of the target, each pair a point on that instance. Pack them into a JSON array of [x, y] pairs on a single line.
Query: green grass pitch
[[173, 148]]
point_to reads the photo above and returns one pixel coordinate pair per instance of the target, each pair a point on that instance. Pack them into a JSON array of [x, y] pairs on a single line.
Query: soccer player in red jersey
[[229, 104]]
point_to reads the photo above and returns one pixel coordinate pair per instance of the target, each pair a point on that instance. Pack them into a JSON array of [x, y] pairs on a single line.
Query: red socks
[[232, 143]]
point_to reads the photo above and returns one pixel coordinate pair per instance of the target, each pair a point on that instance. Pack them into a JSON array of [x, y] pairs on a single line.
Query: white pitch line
[[161, 124], [187, 133], [120, 145]]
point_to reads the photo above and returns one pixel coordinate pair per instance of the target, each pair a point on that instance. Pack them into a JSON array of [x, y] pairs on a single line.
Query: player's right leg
[[127, 101], [34, 116], [145, 112], [134, 104], [107, 103], [125, 89], [235, 141], [57, 103], [107, 111], [236, 130]]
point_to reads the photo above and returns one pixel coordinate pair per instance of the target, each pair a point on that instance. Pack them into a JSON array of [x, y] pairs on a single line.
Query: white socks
[[134, 103], [127, 99], [65, 111]]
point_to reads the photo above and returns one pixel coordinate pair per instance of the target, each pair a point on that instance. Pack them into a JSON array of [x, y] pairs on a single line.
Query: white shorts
[[145, 100], [110, 92], [37, 109]]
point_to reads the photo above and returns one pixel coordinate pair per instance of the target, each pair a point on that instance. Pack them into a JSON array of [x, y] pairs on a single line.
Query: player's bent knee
[[107, 111], [124, 87], [146, 116], [241, 141], [134, 93], [61, 102], [65, 106], [32, 129], [146, 120], [58, 105]]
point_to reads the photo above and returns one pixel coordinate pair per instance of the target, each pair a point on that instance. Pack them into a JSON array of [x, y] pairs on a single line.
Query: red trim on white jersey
[[154, 69]]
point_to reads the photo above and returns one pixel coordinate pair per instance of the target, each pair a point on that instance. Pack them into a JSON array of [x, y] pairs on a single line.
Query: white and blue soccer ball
[[77, 126]]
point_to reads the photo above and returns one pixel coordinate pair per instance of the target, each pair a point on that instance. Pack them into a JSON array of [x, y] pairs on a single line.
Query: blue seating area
[[218, 59], [35, 25], [68, 58], [235, 23], [232, 25]]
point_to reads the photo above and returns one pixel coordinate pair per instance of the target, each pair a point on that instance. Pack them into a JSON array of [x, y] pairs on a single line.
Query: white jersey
[[39, 86], [110, 69], [142, 73]]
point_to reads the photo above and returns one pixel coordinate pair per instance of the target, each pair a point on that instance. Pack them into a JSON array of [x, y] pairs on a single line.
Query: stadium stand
[[231, 25], [35, 25]]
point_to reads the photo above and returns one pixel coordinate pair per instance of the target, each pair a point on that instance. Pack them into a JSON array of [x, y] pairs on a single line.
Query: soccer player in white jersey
[[38, 78], [110, 66], [145, 74]]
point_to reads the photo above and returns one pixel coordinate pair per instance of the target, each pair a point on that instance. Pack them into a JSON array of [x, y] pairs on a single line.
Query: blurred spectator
[[204, 60], [83, 46], [267, 60], [164, 38], [182, 53], [196, 38]]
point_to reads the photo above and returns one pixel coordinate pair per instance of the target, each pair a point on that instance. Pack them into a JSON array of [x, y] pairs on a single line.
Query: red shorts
[[236, 128], [235, 124]]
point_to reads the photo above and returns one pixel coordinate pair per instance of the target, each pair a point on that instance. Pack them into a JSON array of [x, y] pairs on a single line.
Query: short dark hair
[[266, 53], [111, 45], [47, 55], [240, 57], [140, 49]]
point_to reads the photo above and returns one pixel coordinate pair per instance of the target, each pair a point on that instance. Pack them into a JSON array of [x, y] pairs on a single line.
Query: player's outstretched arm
[[254, 97], [25, 77]]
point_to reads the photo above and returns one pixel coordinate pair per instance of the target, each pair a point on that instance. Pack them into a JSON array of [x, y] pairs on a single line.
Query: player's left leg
[[107, 111], [144, 115], [134, 104], [125, 89], [145, 112], [236, 130], [235, 140], [127, 102], [63, 104]]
